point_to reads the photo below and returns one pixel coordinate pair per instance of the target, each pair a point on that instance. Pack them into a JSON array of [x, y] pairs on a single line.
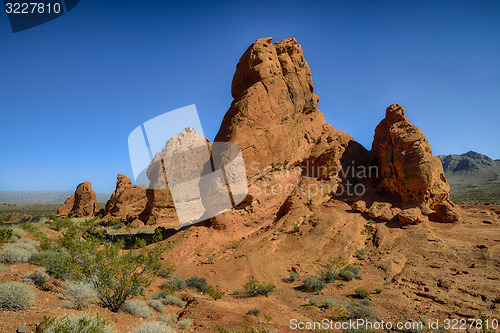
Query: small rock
[[22, 329]]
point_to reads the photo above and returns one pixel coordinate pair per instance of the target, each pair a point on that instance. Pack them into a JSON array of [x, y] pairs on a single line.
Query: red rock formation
[[408, 169], [127, 201], [274, 117], [83, 203]]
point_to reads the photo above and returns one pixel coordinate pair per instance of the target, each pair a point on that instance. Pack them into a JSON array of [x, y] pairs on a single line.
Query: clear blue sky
[[73, 89]]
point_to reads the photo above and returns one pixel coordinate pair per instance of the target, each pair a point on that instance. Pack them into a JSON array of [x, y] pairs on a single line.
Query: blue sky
[[73, 89]]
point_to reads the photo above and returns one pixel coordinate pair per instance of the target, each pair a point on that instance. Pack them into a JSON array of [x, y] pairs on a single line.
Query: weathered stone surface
[[183, 159], [411, 215], [359, 206], [66, 207], [379, 209], [83, 203], [127, 201], [274, 117], [408, 169]]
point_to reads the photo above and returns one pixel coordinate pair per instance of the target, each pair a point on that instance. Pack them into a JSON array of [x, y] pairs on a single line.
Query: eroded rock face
[[127, 201], [408, 169], [274, 117], [83, 203], [183, 159]]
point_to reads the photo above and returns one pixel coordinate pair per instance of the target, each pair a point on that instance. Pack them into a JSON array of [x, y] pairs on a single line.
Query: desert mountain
[[470, 167], [473, 177]]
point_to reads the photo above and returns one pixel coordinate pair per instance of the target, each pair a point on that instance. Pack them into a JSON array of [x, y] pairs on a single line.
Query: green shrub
[[253, 312], [5, 235], [79, 294], [74, 324], [18, 233], [137, 308], [314, 302], [379, 290], [15, 296], [359, 311], [185, 323], [172, 300], [197, 283], [174, 284], [156, 305], [38, 277], [329, 271], [19, 252], [330, 302], [57, 264], [216, 293], [211, 259], [168, 318], [253, 288], [293, 276], [362, 292], [350, 272], [360, 253], [312, 283], [154, 327], [115, 273]]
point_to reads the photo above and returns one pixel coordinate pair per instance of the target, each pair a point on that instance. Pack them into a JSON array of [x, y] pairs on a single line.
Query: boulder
[[411, 216], [127, 201], [380, 210], [83, 203], [408, 169], [359, 206]]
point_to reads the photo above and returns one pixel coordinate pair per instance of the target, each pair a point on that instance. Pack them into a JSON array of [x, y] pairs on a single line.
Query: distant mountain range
[[41, 197], [473, 177]]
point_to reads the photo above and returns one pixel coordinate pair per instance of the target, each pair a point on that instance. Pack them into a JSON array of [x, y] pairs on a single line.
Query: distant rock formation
[[182, 159], [127, 201], [82, 204], [408, 169]]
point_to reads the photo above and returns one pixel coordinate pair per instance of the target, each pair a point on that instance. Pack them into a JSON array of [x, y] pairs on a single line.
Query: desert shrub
[[312, 283], [79, 294], [38, 277], [73, 324], [59, 223], [115, 273], [216, 293], [379, 290], [172, 300], [5, 235], [253, 288], [168, 318], [156, 305], [18, 233], [360, 253], [350, 272], [359, 311], [330, 302], [15, 296], [293, 276], [314, 302], [154, 327], [137, 308], [254, 312], [362, 292], [19, 252], [211, 259], [185, 323], [174, 284], [197, 283], [57, 264], [329, 271]]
